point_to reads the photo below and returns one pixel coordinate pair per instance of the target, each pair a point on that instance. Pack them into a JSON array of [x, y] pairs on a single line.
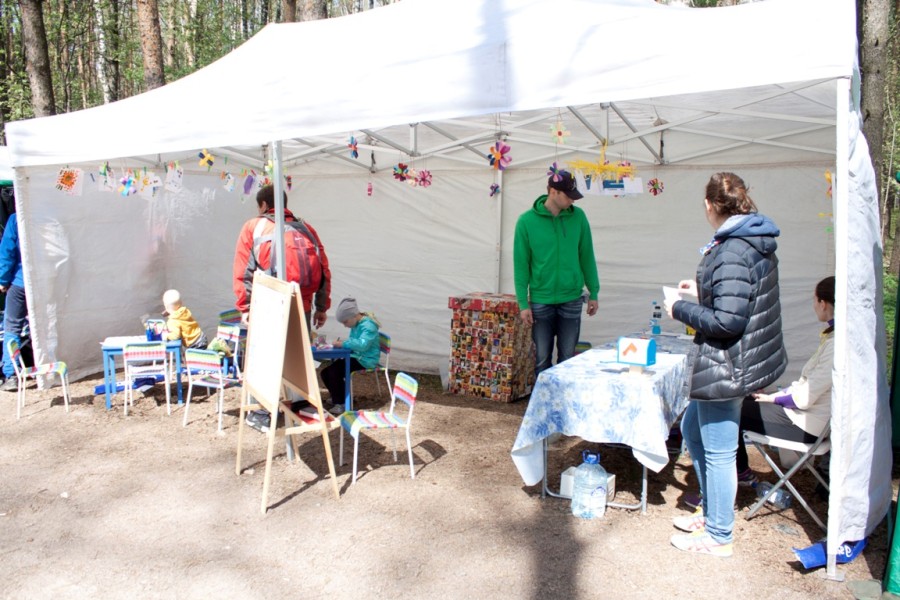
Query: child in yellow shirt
[[180, 323]]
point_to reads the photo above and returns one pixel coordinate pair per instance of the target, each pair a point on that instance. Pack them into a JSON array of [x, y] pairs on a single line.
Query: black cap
[[565, 183]]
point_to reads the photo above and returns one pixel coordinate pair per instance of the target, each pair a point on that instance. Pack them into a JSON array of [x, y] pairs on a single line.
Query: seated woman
[[801, 411]]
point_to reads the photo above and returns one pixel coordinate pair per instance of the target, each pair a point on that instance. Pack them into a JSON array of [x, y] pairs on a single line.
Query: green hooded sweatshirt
[[554, 256]]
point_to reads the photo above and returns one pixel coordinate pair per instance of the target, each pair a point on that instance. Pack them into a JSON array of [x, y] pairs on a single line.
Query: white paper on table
[[673, 295]]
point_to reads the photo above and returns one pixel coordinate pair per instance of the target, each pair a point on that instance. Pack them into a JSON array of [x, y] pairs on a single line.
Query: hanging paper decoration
[[269, 168], [423, 179], [127, 184], [206, 159], [828, 179], [495, 189], [499, 156], [560, 133], [602, 169], [106, 182], [148, 184], [554, 172], [655, 187], [412, 177], [69, 181], [400, 171], [369, 189], [228, 181], [174, 177], [249, 182], [354, 150], [289, 182]]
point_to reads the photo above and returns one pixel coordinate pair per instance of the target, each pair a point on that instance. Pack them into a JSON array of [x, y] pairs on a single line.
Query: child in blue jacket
[[364, 345]]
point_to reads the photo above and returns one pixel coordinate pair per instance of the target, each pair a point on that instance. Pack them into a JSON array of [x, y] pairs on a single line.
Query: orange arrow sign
[[630, 348]]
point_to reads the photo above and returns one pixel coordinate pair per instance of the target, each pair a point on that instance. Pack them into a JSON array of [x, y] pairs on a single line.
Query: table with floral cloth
[[600, 400]]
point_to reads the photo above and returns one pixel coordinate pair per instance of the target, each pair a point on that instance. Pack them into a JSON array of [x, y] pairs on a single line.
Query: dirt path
[[97, 505]]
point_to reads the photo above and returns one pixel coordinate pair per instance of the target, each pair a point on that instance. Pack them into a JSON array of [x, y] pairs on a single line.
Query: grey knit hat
[[346, 310]]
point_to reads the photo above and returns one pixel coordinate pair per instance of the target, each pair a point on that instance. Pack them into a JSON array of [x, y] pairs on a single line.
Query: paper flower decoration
[[206, 159], [128, 184], [412, 177], [655, 186], [369, 189], [560, 133], [423, 179], [495, 189], [828, 179], [554, 172], [499, 156], [354, 151], [289, 182], [400, 172]]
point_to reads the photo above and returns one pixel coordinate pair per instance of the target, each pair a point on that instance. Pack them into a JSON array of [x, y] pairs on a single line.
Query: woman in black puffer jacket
[[738, 324]]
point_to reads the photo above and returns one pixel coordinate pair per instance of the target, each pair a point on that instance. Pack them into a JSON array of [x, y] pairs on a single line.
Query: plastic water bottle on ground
[[780, 499], [655, 317], [589, 488]]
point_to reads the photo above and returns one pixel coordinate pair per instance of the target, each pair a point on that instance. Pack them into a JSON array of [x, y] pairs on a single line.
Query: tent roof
[[467, 72]]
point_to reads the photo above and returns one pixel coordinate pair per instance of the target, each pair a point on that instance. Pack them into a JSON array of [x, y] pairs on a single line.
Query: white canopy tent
[[679, 93]]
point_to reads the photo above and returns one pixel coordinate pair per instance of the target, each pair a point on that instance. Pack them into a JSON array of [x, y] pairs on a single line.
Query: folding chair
[[230, 317], [806, 451], [204, 368], [145, 359], [23, 373], [354, 421], [582, 346]]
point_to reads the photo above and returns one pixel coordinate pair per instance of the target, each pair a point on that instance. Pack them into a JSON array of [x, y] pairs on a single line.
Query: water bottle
[[781, 499], [655, 316], [589, 488]]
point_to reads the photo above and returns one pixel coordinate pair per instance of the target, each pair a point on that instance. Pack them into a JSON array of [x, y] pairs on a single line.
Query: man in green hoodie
[[554, 261]]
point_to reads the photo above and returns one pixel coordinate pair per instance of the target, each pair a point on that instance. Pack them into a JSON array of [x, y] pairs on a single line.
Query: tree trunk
[[151, 43], [170, 38], [37, 59], [100, 61], [289, 9], [873, 20], [313, 10]]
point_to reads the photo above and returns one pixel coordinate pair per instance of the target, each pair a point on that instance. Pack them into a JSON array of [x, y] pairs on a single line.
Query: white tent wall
[[101, 261]]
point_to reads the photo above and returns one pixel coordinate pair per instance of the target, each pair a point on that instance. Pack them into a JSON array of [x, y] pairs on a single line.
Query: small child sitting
[[364, 345], [180, 323]]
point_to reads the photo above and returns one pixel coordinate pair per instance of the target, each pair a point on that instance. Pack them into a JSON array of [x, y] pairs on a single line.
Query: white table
[[599, 400]]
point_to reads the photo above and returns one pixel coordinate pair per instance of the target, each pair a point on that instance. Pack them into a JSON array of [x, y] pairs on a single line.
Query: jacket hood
[[756, 229], [540, 209]]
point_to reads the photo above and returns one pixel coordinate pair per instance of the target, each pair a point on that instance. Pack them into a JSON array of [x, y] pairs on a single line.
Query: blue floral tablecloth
[[597, 399]]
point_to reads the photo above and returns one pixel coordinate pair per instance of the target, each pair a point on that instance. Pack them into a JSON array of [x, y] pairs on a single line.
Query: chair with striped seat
[[143, 360], [582, 346], [23, 373], [204, 368], [384, 362], [232, 335], [405, 389]]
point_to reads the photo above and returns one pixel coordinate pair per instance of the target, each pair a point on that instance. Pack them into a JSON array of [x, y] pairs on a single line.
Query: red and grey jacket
[[253, 251]]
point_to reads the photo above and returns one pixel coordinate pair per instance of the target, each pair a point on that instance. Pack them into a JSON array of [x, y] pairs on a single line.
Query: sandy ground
[[94, 504]]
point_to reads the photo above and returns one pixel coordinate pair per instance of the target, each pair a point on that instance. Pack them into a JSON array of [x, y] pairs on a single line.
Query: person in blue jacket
[[740, 351], [16, 310], [364, 344]]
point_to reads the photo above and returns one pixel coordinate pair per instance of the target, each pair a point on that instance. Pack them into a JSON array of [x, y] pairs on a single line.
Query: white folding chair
[[807, 451], [355, 421], [145, 359]]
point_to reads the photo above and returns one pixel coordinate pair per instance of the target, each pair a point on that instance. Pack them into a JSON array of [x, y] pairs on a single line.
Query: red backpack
[[298, 241]]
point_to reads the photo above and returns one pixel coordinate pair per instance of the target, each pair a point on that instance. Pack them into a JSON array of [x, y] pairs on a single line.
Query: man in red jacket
[[306, 265]]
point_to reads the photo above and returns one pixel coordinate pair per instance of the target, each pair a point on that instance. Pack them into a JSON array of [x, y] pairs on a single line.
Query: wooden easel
[[278, 358]]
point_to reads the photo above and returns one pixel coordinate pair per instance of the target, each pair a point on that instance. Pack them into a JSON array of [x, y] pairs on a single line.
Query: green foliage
[[890, 316]]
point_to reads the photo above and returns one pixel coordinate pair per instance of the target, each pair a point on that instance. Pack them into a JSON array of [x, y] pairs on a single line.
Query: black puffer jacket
[[738, 318]]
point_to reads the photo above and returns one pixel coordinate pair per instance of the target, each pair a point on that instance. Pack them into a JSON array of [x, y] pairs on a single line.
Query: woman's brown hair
[[728, 195]]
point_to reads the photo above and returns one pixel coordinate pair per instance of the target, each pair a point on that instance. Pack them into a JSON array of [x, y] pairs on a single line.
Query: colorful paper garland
[[499, 156]]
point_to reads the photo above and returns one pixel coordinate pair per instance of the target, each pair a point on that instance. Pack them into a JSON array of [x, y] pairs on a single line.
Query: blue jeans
[[559, 321], [14, 317], [710, 430]]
